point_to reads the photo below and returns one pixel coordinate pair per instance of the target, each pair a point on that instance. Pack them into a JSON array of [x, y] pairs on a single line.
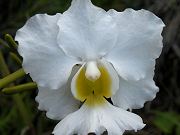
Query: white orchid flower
[[116, 51]]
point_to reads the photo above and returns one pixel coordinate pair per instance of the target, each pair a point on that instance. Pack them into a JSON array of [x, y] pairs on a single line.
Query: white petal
[[138, 45], [58, 103], [86, 31], [42, 57], [74, 84], [112, 76], [133, 94], [97, 120]]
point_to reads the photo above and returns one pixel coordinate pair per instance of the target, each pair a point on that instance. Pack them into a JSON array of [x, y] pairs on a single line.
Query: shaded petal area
[[57, 103], [42, 57], [86, 31], [139, 43], [133, 94], [98, 119]]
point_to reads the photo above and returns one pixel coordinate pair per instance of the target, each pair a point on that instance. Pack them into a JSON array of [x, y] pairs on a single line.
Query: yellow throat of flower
[[93, 91]]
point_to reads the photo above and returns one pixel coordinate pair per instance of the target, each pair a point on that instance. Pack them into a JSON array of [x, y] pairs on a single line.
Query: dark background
[[161, 115]]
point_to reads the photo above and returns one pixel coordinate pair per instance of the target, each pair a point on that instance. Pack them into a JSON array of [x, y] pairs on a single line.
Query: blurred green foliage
[[168, 122], [19, 113]]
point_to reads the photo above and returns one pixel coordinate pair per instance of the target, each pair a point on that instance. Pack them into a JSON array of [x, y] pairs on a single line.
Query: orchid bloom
[[86, 55]]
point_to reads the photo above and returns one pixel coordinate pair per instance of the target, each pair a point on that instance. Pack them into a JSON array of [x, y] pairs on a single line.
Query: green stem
[[17, 98], [11, 41], [12, 77], [8, 117], [20, 88], [22, 109], [3, 67], [15, 58], [4, 44]]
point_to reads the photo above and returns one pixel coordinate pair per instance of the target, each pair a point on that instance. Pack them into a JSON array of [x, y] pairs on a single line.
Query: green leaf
[[166, 121], [178, 130]]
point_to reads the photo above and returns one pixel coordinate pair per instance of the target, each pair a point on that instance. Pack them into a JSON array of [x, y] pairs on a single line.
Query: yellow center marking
[[89, 90]]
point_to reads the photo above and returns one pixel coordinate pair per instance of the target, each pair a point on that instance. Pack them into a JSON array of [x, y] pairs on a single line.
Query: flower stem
[[11, 41], [15, 58], [3, 67], [22, 109], [20, 88], [17, 98], [12, 77], [4, 44]]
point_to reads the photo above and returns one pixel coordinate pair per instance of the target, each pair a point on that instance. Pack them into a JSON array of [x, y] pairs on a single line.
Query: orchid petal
[[114, 75], [86, 31], [97, 120], [133, 94], [139, 43], [42, 57], [57, 103]]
